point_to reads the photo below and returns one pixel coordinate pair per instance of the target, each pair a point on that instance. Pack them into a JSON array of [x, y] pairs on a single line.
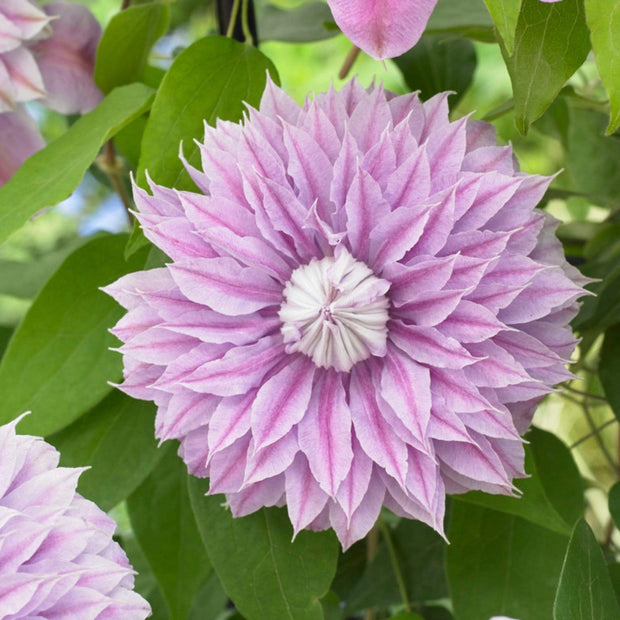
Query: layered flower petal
[[20, 140]]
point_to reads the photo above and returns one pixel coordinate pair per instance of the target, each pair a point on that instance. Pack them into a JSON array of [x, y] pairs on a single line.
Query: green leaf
[[534, 505], [585, 591], [614, 503], [603, 18], [592, 160], [24, 279], [505, 14], [558, 474], [124, 48], [116, 440], [5, 336], [163, 522], [499, 564], [609, 367], [467, 19], [58, 363], [436, 64], [551, 43], [52, 174], [407, 615], [301, 24], [264, 573], [601, 312], [210, 600], [420, 554], [211, 79]]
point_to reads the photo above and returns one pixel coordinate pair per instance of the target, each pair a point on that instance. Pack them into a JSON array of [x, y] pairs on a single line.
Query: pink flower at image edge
[[362, 309], [57, 557]]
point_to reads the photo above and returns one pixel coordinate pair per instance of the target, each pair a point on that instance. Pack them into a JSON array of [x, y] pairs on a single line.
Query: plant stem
[[596, 431], [111, 169], [348, 62], [125, 4], [402, 588], [233, 18], [372, 542], [245, 25], [587, 394]]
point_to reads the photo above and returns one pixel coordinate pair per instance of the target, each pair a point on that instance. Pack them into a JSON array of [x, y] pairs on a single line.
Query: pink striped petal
[[282, 401], [225, 286], [325, 433]]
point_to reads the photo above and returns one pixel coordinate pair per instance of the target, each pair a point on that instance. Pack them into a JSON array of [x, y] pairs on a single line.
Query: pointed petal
[[225, 286], [325, 433], [281, 401]]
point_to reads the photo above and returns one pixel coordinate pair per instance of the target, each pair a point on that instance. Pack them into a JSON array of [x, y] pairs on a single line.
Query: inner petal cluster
[[335, 312]]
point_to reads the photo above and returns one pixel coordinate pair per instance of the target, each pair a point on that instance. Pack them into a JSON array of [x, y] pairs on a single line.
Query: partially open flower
[[48, 53], [20, 139], [57, 556], [363, 308]]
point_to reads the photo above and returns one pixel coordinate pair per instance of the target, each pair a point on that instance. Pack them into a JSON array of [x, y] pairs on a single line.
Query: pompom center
[[335, 311]]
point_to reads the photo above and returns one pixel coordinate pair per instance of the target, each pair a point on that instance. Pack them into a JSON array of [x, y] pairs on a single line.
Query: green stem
[[596, 431], [233, 19], [387, 535], [245, 24]]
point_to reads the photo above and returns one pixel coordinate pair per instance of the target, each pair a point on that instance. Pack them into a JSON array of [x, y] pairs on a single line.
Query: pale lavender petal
[[67, 58], [383, 29], [20, 140]]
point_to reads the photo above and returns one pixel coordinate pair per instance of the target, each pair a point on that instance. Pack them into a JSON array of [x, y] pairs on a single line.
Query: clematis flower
[[57, 556], [20, 139], [46, 54], [362, 309], [384, 28]]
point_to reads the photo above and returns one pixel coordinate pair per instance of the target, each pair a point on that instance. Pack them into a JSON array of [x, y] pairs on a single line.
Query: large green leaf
[[163, 522], [419, 555], [614, 503], [603, 18], [264, 573], [211, 79], [437, 63], [52, 174], [116, 440], [124, 48], [505, 14], [58, 362], [534, 505], [609, 367], [592, 160], [585, 591], [551, 43], [499, 564], [558, 473]]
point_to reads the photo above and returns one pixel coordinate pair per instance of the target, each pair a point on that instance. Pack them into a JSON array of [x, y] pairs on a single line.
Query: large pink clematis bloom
[[46, 54], [362, 309], [57, 556]]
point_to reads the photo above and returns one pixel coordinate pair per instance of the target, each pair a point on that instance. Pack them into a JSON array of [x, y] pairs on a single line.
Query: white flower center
[[335, 311]]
